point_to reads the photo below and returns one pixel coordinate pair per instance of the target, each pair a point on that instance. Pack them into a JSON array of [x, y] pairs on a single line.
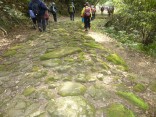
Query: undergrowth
[[128, 39]]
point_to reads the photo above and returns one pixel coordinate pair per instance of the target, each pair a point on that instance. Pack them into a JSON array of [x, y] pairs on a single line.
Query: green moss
[[104, 65], [50, 79], [153, 86], [93, 44], [2, 67], [118, 110], [116, 59], [28, 91], [9, 53], [35, 68], [61, 52], [16, 47], [134, 99], [139, 88]]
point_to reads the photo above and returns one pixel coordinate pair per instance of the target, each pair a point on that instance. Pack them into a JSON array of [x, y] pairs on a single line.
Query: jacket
[[42, 7]]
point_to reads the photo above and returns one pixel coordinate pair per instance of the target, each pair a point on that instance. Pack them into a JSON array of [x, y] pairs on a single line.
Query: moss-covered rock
[[71, 89], [39, 74], [153, 86], [116, 59], [61, 52], [9, 53], [28, 91], [118, 110], [93, 44], [51, 63], [81, 78], [51, 79], [16, 47], [71, 106], [134, 99], [139, 88]]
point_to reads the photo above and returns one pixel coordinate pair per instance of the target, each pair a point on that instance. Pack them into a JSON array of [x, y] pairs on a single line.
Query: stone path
[[65, 73]]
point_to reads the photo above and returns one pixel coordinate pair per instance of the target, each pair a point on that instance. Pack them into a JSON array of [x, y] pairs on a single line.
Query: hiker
[[33, 18], [71, 11], [102, 9], [93, 12], [39, 8], [53, 10], [87, 14], [110, 10]]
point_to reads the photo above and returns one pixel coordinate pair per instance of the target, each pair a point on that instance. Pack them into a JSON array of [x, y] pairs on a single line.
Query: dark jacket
[[41, 5]]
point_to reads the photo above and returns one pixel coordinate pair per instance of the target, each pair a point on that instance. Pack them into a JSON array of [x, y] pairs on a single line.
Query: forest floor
[[67, 72]]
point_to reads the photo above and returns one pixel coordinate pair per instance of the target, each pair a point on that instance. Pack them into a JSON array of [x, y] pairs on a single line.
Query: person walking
[[71, 11], [53, 10], [87, 14], [39, 8]]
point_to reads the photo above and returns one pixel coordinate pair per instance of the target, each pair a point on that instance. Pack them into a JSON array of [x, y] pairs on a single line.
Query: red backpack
[[87, 12]]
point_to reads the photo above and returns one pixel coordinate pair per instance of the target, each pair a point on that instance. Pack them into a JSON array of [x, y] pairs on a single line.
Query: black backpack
[[36, 8]]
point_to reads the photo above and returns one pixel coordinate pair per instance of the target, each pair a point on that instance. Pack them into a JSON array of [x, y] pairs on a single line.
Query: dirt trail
[[139, 63]]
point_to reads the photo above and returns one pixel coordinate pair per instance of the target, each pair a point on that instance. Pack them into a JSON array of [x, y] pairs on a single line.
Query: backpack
[[35, 8], [71, 8], [53, 9], [87, 12]]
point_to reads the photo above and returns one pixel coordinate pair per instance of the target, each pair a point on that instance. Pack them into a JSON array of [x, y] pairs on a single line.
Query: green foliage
[[137, 16]]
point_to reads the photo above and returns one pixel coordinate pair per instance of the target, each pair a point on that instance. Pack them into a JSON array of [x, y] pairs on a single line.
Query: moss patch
[[9, 53], [61, 52], [93, 44], [139, 88], [134, 99], [15, 47], [118, 110], [28, 91], [116, 59], [153, 86], [39, 74]]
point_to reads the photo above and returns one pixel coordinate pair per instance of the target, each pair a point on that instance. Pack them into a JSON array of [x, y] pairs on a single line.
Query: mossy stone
[[51, 63], [2, 67], [71, 106], [153, 86], [39, 74], [71, 89], [118, 110], [116, 59], [139, 88], [134, 99], [28, 91], [9, 53], [61, 52], [93, 44]]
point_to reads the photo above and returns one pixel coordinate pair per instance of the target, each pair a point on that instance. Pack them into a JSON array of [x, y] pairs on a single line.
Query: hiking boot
[[40, 29]]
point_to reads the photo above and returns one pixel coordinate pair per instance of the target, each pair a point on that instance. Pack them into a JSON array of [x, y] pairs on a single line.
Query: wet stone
[[71, 89]]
